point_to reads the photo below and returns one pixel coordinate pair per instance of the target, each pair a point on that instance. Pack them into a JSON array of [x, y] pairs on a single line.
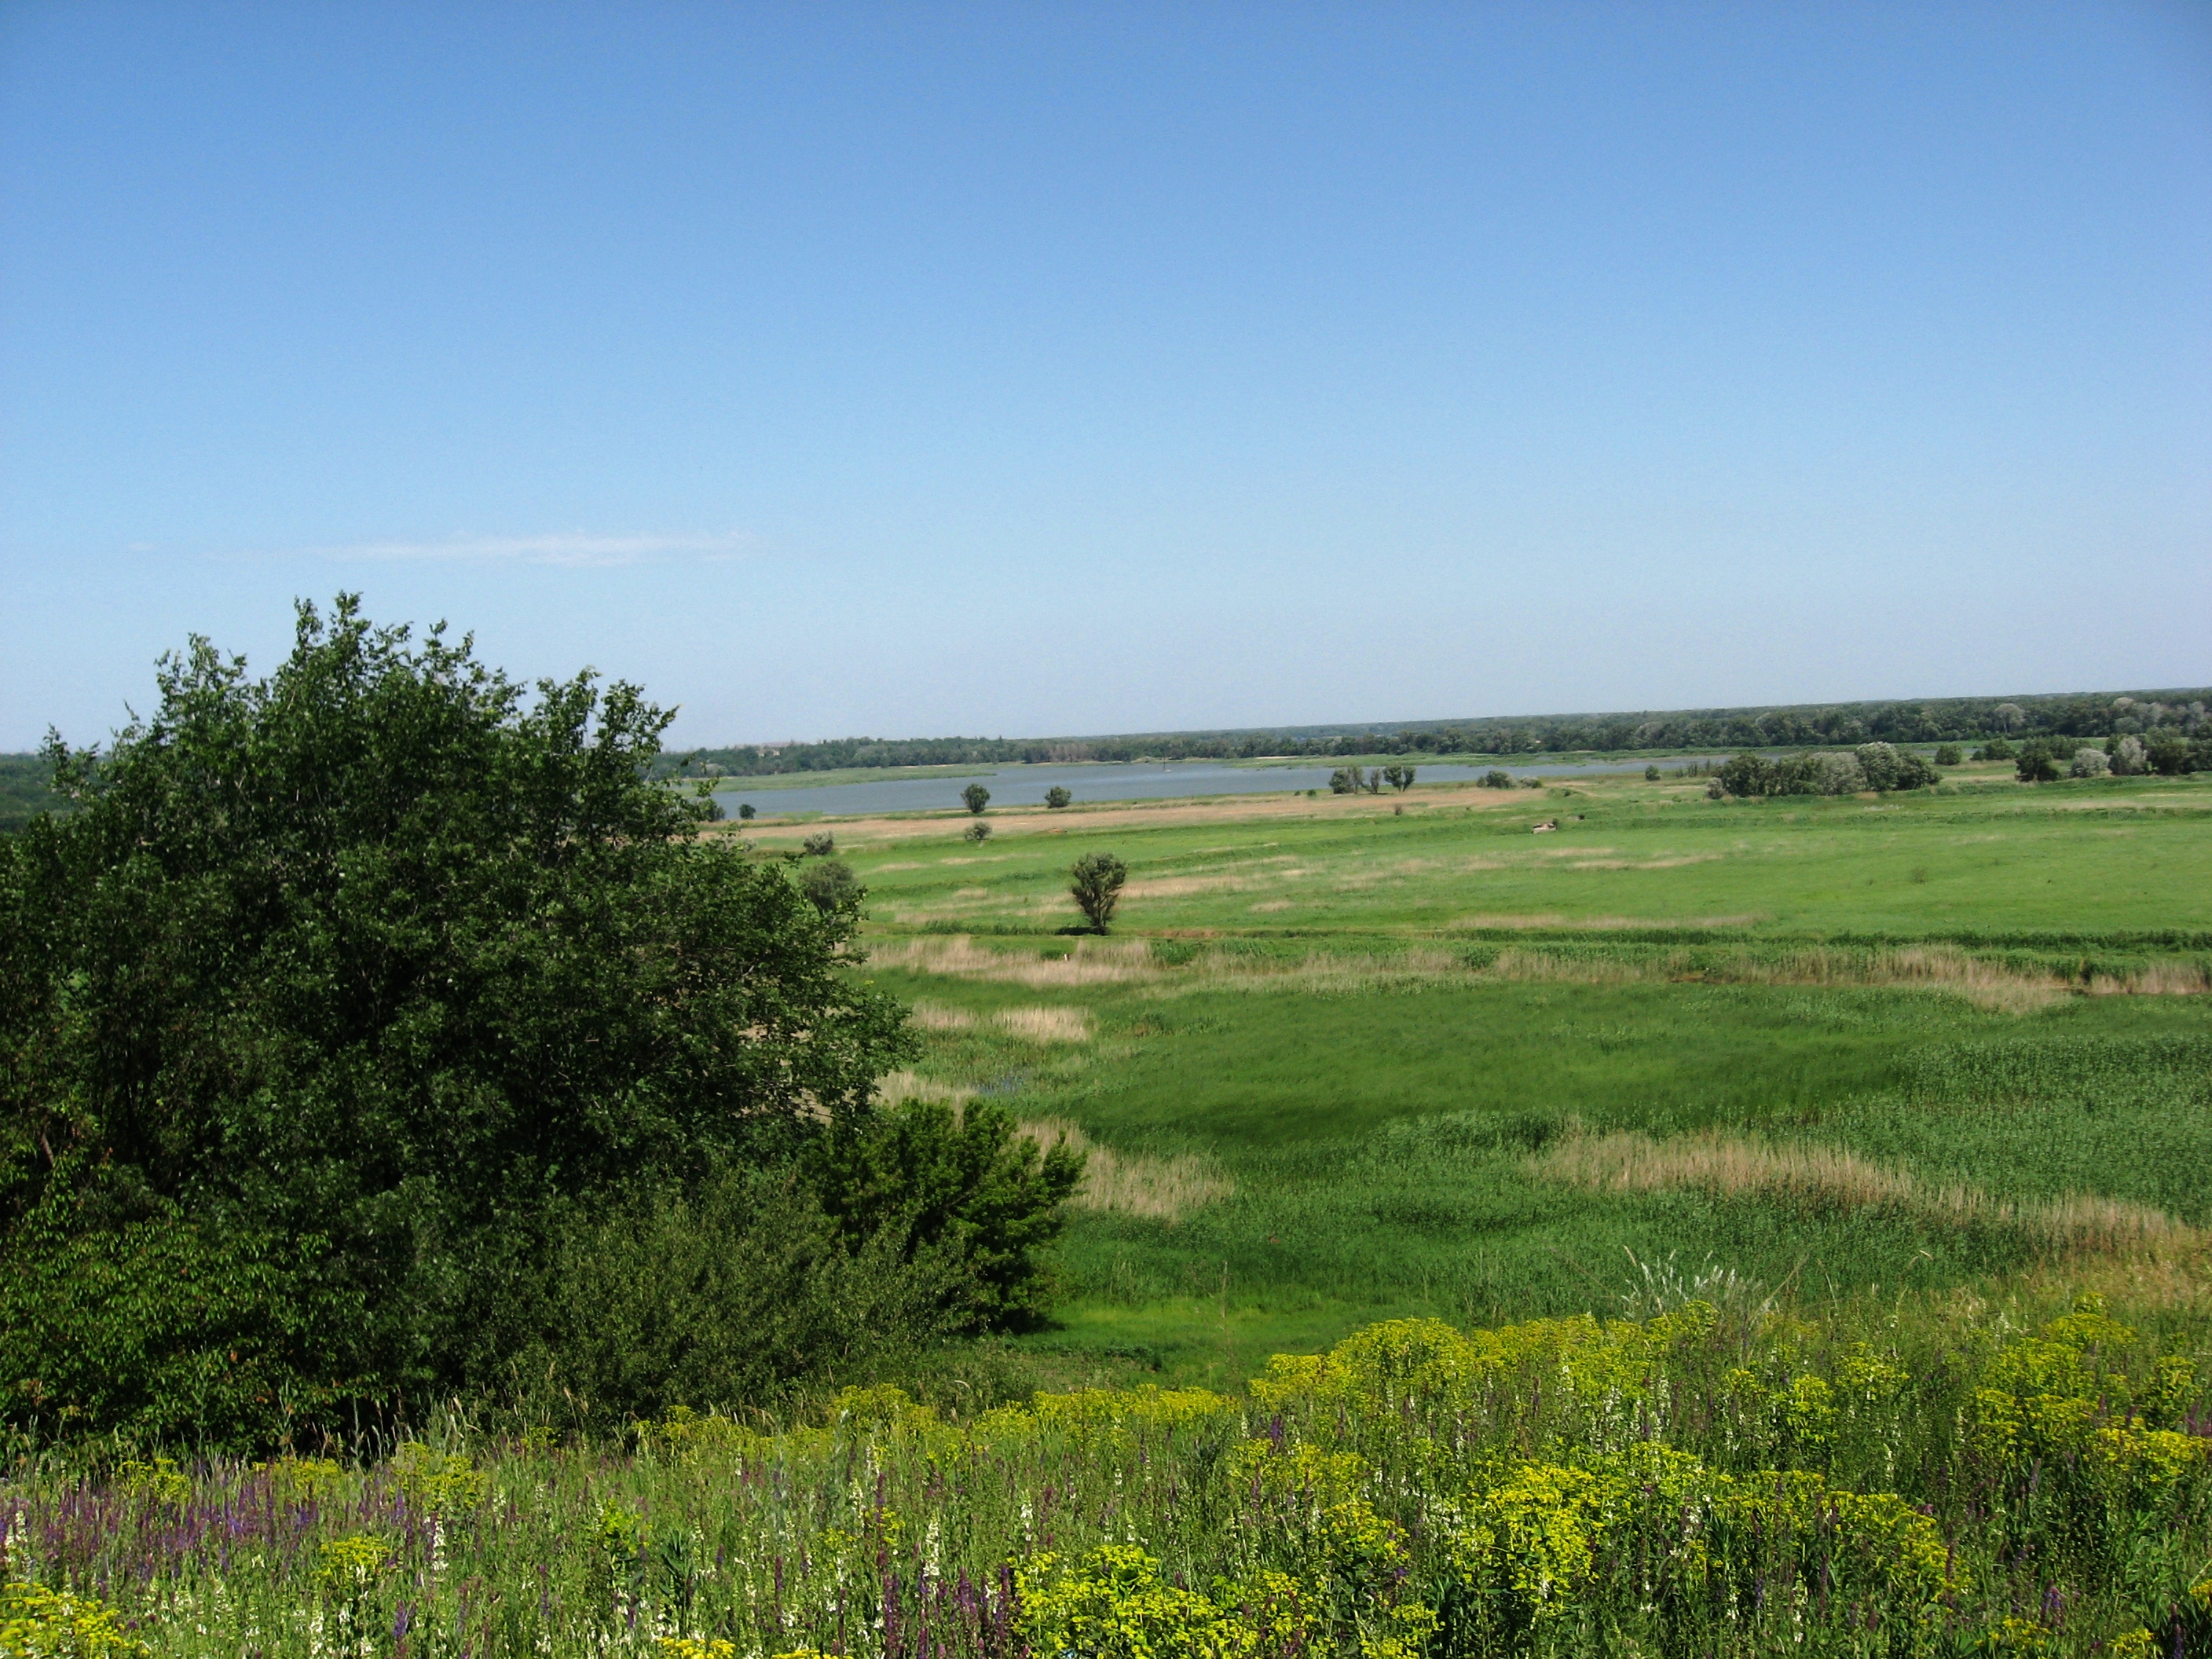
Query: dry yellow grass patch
[[907, 1085], [1602, 924], [1183, 886], [1160, 1188], [2170, 979], [1089, 961], [1047, 1025], [1037, 1025], [1645, 864], [1815, 1175], [936, 1016], [1937, 967]]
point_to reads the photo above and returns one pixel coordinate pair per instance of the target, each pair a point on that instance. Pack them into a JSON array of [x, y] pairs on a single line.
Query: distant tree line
[[2087, 716]]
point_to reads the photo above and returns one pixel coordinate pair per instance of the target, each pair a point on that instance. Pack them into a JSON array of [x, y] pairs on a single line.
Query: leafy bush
[[2035, 763], [1096, 886], [819, 845], [2168, 752], [961, 1194], [1996, 749], [1496, 778], [2087, 763], [1348, 780], [1400, 778], [2128, 757], [831, 887], [978, 833], [976, 798], [732, 1294], [1886, 767], [1651, 773], [745, 810], [1947, 754], [1057, 797], [1826, 773], [340, 996]]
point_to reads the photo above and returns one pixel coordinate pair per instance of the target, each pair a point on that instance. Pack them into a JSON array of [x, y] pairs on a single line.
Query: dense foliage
[[1708, 1482], [2180, 715], [1095, 883], [1877, 766], [26, 791], [346, 1000]]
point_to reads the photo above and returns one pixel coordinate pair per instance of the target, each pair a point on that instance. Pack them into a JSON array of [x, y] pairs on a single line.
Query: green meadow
[[1347, 1059]]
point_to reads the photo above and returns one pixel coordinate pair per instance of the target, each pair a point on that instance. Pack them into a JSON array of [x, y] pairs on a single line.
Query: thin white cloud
[[574, 549]]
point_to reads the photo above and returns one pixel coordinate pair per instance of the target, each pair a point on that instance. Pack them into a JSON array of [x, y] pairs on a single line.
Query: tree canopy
[[339, 991]]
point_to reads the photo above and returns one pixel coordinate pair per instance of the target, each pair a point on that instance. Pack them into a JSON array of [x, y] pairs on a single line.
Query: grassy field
[[1876, 1136], [1359, 1057]]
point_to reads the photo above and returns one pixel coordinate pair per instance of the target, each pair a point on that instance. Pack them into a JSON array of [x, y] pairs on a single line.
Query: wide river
[[1093, 781]]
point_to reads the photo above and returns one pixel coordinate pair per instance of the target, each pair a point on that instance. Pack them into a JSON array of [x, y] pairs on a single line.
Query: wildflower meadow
[[1691, 1484]]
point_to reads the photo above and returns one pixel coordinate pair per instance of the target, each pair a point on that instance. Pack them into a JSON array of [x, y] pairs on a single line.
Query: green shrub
[[831, 887], [963, 1196], [732, 1295], [976, 798], [1057, 797], [1948, 754], [819, 845], [1096, 886]]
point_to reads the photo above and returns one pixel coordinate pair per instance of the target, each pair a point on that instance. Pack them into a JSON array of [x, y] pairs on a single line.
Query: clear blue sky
[[1057, 368]]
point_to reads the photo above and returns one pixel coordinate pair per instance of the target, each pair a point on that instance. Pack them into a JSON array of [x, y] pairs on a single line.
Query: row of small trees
[[975, 797], [2166, 753], [1880, 767], [1353, 780]]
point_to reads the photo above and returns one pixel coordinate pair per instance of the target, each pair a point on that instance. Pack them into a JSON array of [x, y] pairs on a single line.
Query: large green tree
[[341, 993]]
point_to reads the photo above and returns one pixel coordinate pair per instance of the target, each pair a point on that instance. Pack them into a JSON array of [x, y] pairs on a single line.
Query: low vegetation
[[1716, 1479], [1764, 1212]]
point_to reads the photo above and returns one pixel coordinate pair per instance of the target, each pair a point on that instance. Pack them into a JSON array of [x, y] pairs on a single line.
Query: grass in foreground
[[1712, 1481]]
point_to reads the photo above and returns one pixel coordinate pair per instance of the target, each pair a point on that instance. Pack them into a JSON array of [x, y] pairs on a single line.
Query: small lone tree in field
[[2088, 764], [1346, 781], [1096, 886], [744, 810], [1651, 773], [1497, 778], [2035, 765], [1400, 778], [979, 832], [976, 797], [1947, 755], [831, 885], [1057, 797], [820, 845]]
